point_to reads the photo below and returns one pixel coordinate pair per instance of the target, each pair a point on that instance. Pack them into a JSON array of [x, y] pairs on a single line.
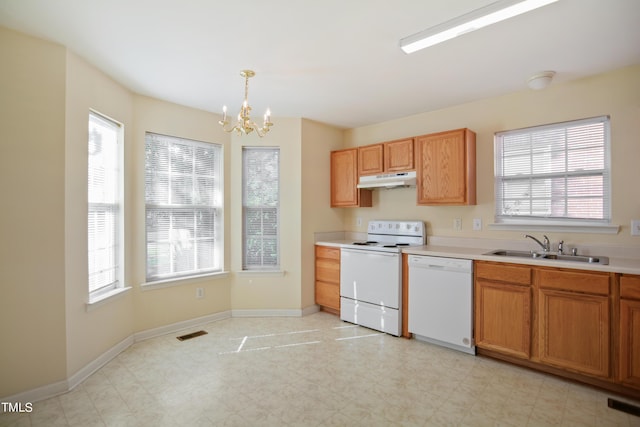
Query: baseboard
[[310, 310], [267, 313], [84, 373], [180, 326], [61, 387], [40, 393]]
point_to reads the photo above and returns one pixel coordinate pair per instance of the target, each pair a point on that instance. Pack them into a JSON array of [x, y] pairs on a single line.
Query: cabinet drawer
[[327, 270], [587, 282], [515, 274], [630, 287], [328, 252], [328, 295]]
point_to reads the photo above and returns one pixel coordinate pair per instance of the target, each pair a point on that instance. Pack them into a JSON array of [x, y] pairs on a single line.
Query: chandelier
[[245, 125]]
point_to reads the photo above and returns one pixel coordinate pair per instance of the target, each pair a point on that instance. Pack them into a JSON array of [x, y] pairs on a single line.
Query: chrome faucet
[[561, 247], [546, 246]]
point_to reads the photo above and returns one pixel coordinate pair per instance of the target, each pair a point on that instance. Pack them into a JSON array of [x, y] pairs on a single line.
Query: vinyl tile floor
[[314, 371]]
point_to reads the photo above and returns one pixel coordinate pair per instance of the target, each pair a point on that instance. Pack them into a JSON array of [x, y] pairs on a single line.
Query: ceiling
[[332, 61]]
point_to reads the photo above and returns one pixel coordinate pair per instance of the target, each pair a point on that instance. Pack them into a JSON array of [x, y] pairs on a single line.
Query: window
[[557, 172], [104, 210], [261, 210], [183, 196]]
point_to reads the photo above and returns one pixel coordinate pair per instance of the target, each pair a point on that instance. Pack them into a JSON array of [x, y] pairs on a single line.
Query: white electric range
[[371, 274]]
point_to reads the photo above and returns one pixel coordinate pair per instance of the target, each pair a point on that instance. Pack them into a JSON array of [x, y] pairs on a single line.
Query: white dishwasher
[[441, 301]]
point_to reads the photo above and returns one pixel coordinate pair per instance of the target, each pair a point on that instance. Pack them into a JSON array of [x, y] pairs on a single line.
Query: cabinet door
[[630, 331], [445, 168], [370, 159], [503, 318], [398, 155], [344, 180], [573, 330]]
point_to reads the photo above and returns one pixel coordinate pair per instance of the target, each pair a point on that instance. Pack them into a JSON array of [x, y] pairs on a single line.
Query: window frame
[[216, 208], [118, 283], [261, 267], [529, 222]]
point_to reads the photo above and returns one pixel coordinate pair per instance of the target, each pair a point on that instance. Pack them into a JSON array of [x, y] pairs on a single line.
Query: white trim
[[179, 326], [267, 313], [105, 297], [566, 228], [64, 386], [178, 281], [314, 308], [90, 368], [254, 273], [38, 394]]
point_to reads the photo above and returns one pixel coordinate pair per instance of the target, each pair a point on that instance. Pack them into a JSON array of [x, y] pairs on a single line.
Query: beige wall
[[616, 94], [32, 222], [164, 306], [318, 140], [269, 291], [90, 333]]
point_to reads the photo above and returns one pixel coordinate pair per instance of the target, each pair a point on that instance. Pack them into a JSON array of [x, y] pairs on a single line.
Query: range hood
[[388, 180]]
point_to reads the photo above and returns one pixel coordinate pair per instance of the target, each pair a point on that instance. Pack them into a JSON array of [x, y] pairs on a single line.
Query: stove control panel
[[402, 228]]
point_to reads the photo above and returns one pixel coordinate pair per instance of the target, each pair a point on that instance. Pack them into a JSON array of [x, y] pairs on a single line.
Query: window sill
[[103, 298], [565, 228], [168, 283], [264, 273]]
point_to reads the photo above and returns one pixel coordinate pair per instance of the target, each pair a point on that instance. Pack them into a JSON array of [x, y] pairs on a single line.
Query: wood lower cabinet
[[573, 320], [630, 331], [446, 168], [327, 283], [577, 324], [503, 308], [344, 181]]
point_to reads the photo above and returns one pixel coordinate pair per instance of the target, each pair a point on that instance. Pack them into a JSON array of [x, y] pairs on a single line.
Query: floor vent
[[191, 335], [624, 407]]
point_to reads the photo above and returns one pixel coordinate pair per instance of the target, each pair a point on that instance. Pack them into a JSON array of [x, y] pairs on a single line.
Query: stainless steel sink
[[550, 256]]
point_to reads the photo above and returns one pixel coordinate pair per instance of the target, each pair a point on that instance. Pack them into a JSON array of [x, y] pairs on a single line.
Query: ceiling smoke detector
[[540, 80]]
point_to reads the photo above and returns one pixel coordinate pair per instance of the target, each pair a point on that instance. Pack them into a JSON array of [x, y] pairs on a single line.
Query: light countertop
[[616, 264]]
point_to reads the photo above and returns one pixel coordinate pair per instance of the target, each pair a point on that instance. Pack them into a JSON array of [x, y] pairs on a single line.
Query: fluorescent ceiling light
[[490, 14]]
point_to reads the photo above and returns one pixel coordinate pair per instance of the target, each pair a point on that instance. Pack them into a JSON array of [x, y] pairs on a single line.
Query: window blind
[[183, 207], [261, 211], [556, 172], [103, 203]]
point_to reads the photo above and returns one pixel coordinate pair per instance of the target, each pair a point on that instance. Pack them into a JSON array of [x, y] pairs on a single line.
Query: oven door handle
[[370, 252]]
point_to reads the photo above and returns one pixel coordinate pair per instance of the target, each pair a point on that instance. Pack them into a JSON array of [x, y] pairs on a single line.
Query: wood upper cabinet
[[503, 308], [370, 159], [327, 283], [573, 320], [344, 180], [630, 330], [392, 156], [399, 155], [446, 168]]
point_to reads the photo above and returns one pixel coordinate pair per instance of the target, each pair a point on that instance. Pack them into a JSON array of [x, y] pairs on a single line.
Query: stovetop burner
[[391, 236]]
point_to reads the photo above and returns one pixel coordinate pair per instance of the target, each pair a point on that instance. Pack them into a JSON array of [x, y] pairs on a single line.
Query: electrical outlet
[[199, 293], [477, 224], [457, 224], [359, 221], [635, 227]]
